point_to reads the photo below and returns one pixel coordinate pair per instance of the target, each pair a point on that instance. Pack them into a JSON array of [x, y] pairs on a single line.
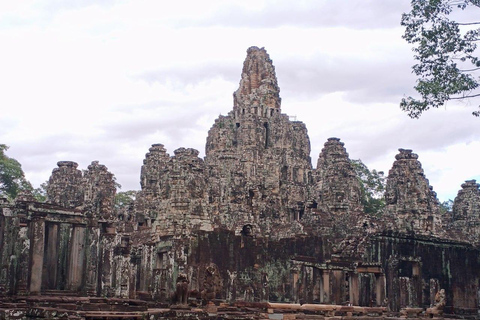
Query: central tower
[[258, 160], [258, 92]]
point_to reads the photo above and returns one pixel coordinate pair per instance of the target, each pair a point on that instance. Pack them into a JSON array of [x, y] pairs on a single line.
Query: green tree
[[445, 49], [446, 206], [124, 198], [40, 193], [373, 187], [12, 178]]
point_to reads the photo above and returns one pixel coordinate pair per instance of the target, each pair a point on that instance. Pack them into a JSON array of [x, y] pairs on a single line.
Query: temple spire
[[258, 92]]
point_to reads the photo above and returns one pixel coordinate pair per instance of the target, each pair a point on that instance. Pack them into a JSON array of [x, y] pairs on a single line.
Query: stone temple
[[252, 231]]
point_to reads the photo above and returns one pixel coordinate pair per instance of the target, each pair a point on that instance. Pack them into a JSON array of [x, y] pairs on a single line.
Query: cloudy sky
[[104, 80]]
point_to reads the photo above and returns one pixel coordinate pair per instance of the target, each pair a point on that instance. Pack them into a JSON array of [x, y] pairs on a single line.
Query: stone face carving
[[337, 188], [466, 213], [65, 187], [258, 161], [152, 174], [173, 191], [467, 202], [258, 92], [411, 202], [94, 190], [99, 191]]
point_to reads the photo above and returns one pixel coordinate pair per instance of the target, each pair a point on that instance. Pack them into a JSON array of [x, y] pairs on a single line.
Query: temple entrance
[[409, 283], [368, 283], [50, 261]]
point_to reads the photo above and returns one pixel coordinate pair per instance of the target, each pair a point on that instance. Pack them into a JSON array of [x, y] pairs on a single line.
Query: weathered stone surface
[[65, 186], [337, 188], [258, 160], [465, 222], [173, 196], [411, 202], [258, 93], [99, 190], [466, 205]]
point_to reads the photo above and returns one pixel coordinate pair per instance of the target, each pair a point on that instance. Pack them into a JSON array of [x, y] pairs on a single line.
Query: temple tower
[[410, 200], [337, 188], [258, 161], [65, 187]]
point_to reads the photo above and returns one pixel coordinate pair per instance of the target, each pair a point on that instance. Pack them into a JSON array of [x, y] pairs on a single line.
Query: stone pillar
[[37, 229], [338, 286], [19, 266], [380, 282], [353, 289], [325, 287], [51, 257], [77, 259], [295, 293], [106, 264], [92, 253]]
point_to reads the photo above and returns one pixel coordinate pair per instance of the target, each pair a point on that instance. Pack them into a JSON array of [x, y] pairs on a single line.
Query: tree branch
[[465, 97], [468, 70]]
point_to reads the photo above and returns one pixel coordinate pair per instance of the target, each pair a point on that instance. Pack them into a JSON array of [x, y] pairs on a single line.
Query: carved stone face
[[391, 196]]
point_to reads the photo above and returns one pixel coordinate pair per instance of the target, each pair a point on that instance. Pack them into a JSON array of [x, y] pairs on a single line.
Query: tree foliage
[[12, 178], [373, 187], [124, 199], [40, 193], [447, 68], [446, 206]]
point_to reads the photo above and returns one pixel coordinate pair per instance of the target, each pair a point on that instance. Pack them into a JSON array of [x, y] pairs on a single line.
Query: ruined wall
[[393, 269], [56, 246], [9, 250], [416, 267]]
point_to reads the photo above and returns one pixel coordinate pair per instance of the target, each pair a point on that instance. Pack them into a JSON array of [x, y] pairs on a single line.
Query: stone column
[[77, 259], [354, 290], [92, 253], [37, 250], [380, 282], [325, 287], [19, 266], [106, 262], [295, 293], [338, 287]]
